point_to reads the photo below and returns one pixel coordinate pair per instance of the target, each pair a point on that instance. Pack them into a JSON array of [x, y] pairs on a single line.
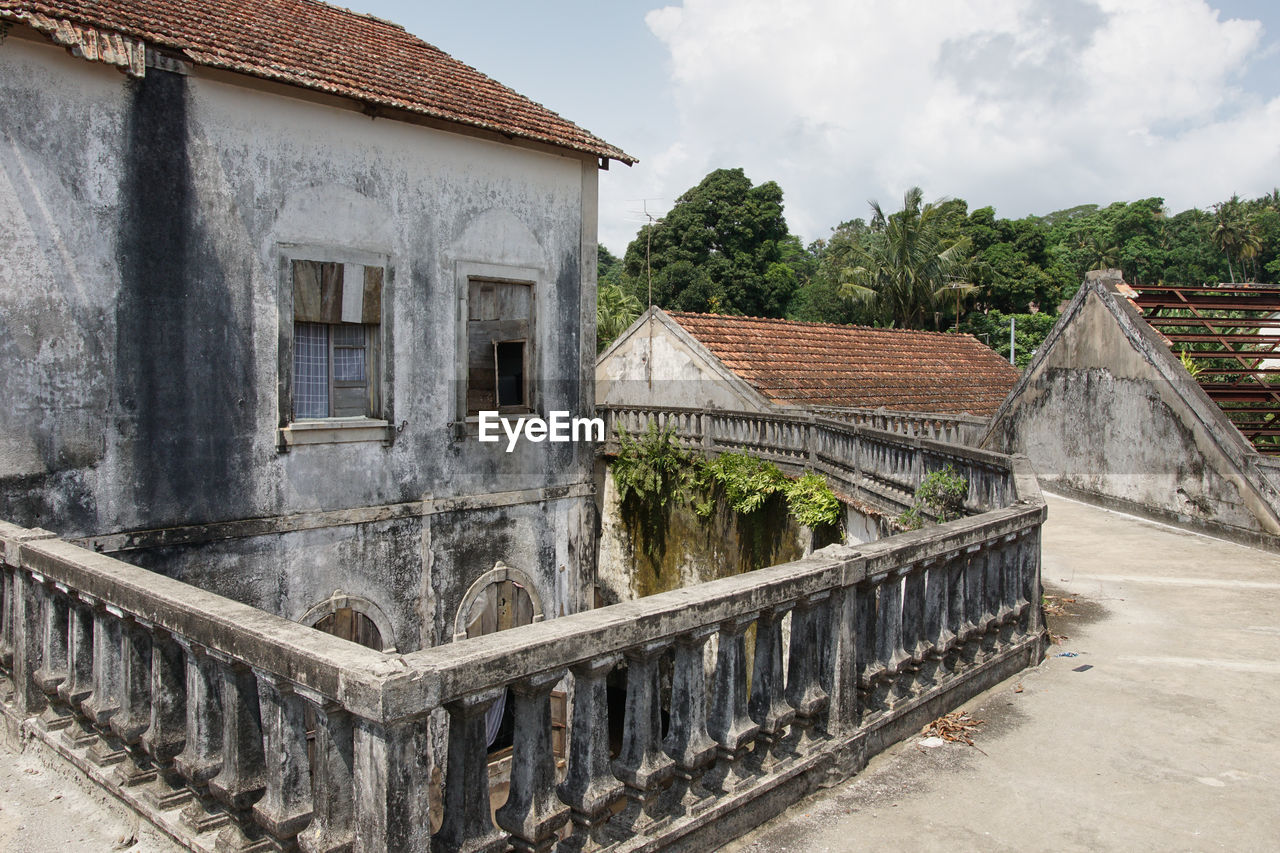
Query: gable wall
[[684, 374], [1105, 413]]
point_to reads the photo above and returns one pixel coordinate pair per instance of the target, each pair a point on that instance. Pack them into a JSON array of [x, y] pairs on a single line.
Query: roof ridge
[[813, 324]]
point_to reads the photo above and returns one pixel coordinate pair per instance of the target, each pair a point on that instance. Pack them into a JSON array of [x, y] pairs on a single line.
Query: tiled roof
[[317, 46], [823, 364]]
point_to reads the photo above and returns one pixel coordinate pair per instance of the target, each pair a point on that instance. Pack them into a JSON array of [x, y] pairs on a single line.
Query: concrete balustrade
[[232, 729], [863, 461]]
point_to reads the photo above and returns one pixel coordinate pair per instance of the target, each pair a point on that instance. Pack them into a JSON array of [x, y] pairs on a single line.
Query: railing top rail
[[444, 673], [326, 665], [982, 457], [976, 420]]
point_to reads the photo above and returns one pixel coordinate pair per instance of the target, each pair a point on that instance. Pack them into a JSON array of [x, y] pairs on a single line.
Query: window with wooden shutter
[[499, 346], [337, 315]]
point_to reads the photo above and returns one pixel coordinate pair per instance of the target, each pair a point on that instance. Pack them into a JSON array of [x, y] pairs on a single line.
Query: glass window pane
[[349, 353], [310, 370]]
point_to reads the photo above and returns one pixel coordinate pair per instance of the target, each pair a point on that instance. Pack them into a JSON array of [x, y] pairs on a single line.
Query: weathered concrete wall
[[693, 550], [655, 363], [1105, 412], [146, 225]]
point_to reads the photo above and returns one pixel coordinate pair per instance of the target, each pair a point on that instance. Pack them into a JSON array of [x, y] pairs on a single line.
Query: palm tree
[[911, 264], [1235, 235], [1106, 255], [615, 311]]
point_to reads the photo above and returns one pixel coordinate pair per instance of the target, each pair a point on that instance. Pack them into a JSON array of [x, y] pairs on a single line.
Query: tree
[[911, 264], [615, 311], [723, 247], [1234, 234]]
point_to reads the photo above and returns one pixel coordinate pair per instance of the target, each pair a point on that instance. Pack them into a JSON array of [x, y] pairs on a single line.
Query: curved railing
[[196, 710]]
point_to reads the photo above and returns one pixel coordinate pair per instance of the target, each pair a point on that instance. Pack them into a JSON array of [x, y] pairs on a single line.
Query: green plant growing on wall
[[651, 472], [1192, 367], [812, 502], [745, 482], [941, 495]]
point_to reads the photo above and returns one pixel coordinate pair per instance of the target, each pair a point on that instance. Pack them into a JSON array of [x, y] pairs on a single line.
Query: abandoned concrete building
[[263, 266], [255, 292]]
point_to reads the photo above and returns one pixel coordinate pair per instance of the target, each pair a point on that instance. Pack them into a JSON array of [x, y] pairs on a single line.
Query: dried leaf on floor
[[956, 727]]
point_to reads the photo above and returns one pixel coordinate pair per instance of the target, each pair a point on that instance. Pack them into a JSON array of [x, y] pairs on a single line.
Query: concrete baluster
[[839, 675], [1030, 590], [27, 642], [975, 597], [53, 657], [468, 827], [642, 766], [687, 742], [201, 756], [767, 704], [1007, 603], [108, 670], [391, 773], [868, 666], [6, 613], [134, 716], [914, 641], [992, 557], [889, 652], [332, 827], [804, 684], [78, 685], [533, 814], [729, 723], [241, 781], [166, 735], [285, 807], [933, 624], [590, 788]]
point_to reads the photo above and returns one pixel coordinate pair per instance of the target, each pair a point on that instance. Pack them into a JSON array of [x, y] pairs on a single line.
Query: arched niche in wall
[[354, 618], [501, 598], [498, 236]]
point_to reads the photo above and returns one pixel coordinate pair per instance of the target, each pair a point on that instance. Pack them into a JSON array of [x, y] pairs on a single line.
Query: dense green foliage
[[725, 247], [940, 495], [653, 472]]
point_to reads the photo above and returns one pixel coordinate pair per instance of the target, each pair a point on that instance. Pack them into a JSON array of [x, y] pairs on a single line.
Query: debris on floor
[[1053, 605], [955, 727]]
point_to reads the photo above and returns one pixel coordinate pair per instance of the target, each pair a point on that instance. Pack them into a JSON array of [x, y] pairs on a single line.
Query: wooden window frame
[[374, 423], [467, 274]]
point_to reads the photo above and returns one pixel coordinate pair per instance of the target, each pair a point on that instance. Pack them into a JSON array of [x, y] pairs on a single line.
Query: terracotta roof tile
[[824, 364], [327, 48]]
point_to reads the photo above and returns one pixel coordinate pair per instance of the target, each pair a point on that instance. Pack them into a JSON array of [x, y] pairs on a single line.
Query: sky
[[1029, 106]]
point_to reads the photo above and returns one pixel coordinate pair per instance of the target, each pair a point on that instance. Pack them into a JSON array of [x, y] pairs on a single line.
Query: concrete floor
[[1168, 741]]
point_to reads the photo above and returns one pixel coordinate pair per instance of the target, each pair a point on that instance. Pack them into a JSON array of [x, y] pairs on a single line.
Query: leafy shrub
[[941, 494]]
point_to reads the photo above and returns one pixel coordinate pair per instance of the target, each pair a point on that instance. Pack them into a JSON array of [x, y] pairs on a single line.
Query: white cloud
[[1029, 105]]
